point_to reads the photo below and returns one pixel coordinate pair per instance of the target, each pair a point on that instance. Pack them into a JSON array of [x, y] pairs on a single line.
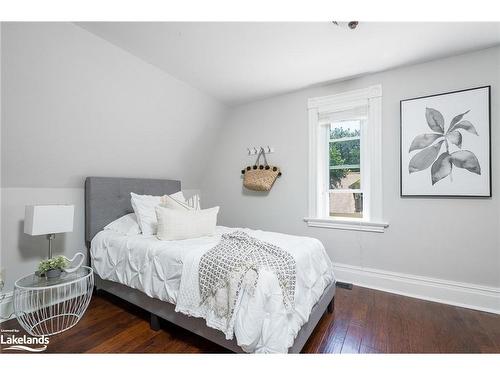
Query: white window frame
[[371, 160]]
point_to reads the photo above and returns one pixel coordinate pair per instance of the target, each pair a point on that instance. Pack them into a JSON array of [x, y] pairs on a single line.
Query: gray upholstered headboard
[[108, 198]]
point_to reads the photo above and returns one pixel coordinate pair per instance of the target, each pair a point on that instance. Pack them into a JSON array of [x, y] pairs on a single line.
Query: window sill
[[347, 224]]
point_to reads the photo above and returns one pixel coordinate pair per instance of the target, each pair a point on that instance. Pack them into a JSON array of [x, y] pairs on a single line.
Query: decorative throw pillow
[[126, 224], [144, 209], [169, 201], [180, 224]]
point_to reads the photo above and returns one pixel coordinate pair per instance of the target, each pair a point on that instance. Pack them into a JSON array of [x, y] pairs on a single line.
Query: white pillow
[[126, 224], [144, 208], [175, 224]]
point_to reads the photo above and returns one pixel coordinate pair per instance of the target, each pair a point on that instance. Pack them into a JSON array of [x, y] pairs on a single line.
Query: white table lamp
[[48, 220]]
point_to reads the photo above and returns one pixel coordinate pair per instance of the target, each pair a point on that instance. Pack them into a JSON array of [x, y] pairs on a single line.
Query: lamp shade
[[48, 219]]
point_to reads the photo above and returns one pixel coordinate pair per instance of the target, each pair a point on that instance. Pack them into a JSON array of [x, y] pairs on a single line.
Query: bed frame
[[107, 199]]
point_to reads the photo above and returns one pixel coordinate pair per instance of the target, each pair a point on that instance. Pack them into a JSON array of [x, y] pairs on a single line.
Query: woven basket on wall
[[260, 177]]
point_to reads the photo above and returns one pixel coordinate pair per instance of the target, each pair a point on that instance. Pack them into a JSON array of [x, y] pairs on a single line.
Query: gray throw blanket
[[235, 263]]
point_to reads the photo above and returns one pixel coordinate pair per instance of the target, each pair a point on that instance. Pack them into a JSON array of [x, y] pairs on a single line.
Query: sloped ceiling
[[240, 62]]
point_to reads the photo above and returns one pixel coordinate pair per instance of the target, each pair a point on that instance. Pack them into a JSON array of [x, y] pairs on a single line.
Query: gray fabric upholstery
[[108, 198]]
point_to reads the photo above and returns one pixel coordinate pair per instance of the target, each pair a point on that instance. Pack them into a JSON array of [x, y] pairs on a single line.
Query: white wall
[[450, 239], [74, 105]]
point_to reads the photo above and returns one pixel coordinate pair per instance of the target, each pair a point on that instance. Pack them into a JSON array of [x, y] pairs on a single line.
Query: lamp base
[[50, 237]]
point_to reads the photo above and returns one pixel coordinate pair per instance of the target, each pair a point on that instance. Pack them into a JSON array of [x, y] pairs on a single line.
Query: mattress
[[166, 270]]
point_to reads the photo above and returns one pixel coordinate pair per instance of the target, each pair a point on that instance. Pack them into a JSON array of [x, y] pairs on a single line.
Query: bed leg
[[154, 322], [331, 305]]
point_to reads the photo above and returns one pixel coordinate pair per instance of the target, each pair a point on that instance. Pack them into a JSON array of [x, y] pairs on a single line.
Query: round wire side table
[[44, 307]]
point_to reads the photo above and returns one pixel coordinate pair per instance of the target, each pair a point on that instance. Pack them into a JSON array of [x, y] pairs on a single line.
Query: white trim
[[365, 168], [372, 148], [355, 96], [345, 191], [313, 154], [371, 160], [6, 306], [347, 224], [323, 167], [472, 296], [345, 139]]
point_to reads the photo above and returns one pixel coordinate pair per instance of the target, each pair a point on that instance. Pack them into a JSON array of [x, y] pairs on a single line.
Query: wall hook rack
[[251, 151]]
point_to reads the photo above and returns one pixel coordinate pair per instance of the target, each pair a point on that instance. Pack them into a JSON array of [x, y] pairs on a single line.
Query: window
[[345, 190], [344, 153]]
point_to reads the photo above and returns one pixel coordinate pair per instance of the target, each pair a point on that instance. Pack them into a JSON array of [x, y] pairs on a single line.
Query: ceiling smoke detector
[[351, 24]]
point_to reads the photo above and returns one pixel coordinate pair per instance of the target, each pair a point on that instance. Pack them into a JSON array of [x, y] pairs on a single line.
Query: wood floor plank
[[415, 325], [367, 350], [398, 339], [364, 321], [333, 338], [124, 340], [333, 347], [376, 332], [483, 339], [489, 324], [317, 337], [352, 341]]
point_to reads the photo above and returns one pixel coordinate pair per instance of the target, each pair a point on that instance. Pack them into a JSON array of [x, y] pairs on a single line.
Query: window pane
[[345, 169], [345, 178], [346, 204], [345, 165], [344, 129]]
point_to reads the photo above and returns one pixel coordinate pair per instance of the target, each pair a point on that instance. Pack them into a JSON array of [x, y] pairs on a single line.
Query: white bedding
[[167, 270]]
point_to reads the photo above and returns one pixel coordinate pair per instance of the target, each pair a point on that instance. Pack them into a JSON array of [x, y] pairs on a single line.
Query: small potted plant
[[52, 268]]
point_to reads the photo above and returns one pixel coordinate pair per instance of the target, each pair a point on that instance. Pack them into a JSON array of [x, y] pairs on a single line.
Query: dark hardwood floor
[[364, 321]]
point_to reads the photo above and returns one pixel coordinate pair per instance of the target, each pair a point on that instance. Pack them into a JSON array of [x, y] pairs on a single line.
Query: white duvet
[[167, 270]]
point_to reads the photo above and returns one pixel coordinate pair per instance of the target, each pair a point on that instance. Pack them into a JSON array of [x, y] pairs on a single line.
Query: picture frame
[[445, 144]]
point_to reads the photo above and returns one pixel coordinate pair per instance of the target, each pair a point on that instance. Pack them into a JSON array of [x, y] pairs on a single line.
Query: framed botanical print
[[446, 144]]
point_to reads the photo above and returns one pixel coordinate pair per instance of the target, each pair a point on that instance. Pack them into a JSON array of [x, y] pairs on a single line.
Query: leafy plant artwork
[[430, 145]]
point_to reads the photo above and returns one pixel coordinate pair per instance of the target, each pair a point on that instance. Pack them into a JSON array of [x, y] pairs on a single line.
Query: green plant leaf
[[59, 262], [423, 140], [466, 125], [456, 119], [441, 167], [424, 159], [455, 137], [435, 120], [466, 160]]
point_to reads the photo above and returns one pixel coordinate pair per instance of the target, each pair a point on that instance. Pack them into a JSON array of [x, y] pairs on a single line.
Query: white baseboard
[[6, 306], [472, 296]]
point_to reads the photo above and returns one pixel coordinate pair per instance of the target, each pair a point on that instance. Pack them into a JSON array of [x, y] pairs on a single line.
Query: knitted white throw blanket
[[235, 262]]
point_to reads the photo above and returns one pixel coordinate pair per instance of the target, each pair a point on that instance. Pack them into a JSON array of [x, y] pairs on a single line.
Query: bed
[[150, 274]]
